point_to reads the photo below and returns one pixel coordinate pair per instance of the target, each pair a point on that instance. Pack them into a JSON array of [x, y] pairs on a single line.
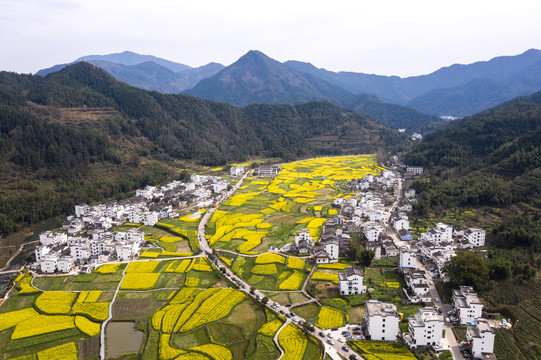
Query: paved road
[[243, 286], [104, 325], [449, 342]]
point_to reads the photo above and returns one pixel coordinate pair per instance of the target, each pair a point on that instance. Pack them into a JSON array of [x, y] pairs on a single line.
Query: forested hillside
[[81, 135], [490, 161]]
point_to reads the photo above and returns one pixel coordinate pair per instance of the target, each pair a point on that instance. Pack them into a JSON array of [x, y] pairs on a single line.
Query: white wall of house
[[408, 258], [481, 338]]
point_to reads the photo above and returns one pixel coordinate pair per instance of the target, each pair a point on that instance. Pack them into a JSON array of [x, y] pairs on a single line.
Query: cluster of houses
[[425, 328], [88, 237], [439, 244], [58, 252]]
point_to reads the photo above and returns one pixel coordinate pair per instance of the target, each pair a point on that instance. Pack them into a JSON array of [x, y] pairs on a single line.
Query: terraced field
[[267, 211], [185, 307]]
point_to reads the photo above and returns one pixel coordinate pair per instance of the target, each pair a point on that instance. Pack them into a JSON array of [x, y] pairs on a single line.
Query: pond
[[122, 337]]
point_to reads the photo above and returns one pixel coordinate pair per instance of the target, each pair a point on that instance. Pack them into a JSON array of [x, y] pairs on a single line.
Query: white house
[[267, 170], [322, 257], [48, 264], [372, 231], [81, 209], [441, 233], [381, 321], [332, 248], [467, 305], [236, 171], [425, 328], [481, 338], [414, 170], [52, 238], [408, 258], [350, 282], [40, 251], [135, 216], [409, 193], [400, 222], [80, 251], [475, 236], [418, 290], [150, 218], [303, 234], [64, 264]]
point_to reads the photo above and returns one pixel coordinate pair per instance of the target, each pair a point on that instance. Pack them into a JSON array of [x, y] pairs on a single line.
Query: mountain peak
[[257, 78], [255, 56]]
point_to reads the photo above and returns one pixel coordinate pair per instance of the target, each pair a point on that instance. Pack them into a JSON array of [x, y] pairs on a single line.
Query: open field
[[266, 212], [380, 350], [199, 322], [274, 274]]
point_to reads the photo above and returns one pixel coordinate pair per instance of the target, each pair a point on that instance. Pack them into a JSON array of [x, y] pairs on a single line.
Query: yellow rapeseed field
[[139, 281], [216, 352], [55, 302], [329, 318], [42, 324], [324, 276], [167, 352], [295, 263], [108, 268], [62, 352], [293, 342], [12, 318], [270, 328], [267, 258], [265, 269], [89, 327], [293, 282], [141, 267]]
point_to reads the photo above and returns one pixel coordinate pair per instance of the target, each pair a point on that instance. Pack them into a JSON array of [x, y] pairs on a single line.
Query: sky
[[385, 37]]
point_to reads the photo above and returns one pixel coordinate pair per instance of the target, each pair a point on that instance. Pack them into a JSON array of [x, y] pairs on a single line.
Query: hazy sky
[[387, 37]]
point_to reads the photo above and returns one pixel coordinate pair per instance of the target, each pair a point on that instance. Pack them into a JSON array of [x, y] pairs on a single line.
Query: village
[[376, 212], [87, 239], [387, 233]]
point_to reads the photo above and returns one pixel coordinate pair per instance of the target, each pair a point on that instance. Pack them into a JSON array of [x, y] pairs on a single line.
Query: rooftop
[[377, 308]]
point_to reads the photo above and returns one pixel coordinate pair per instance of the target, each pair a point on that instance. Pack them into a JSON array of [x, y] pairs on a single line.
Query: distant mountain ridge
[[146, 71], [456, 90], [393, 115]]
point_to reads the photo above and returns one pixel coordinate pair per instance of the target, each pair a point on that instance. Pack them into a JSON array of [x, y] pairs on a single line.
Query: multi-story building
[[467, 305], [414, 170], [425, 328], [333, 249], [350, 282], [475, 236], [481, 338], [408, 258], [381, 321], [236, 171], [371, 231]]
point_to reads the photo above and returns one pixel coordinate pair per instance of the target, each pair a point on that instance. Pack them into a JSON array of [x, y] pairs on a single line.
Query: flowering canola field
[[267, 211]]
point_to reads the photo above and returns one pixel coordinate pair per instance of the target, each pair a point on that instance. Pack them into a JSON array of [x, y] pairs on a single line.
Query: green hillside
[[490, 161], [80, 135]]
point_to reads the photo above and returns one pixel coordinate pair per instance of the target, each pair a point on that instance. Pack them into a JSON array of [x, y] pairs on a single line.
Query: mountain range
[[146, 71], [457, 90]]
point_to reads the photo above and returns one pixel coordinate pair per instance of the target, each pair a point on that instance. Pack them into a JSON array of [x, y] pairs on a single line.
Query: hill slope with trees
[[85, 136], [491, 161]]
